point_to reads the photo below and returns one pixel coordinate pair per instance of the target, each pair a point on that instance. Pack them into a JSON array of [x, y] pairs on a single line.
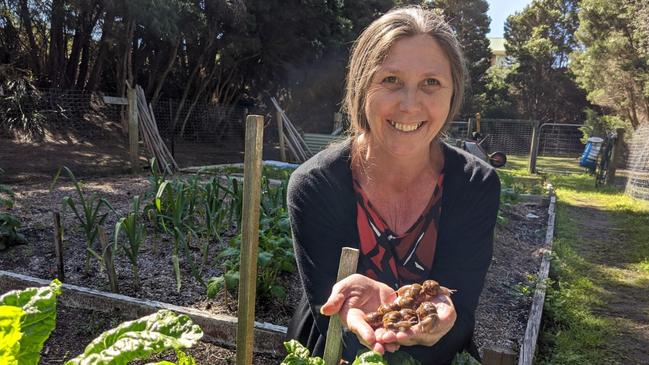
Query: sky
[[499, 10]]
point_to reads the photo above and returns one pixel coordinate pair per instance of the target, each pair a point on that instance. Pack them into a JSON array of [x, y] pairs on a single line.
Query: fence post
[[534, 147], [133, 130], [469, 128], [280, 131], [477, 122], [250, 237], [617, 154]]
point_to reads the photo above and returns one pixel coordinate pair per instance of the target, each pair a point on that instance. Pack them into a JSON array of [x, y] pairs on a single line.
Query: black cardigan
[[322, 210]]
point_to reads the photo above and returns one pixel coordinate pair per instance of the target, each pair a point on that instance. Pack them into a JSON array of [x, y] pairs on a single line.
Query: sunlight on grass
[[575, 332]]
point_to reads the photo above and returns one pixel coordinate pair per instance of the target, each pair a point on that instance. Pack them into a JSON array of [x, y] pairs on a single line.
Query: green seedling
[[135, 233], [89, 215], [177, 215]]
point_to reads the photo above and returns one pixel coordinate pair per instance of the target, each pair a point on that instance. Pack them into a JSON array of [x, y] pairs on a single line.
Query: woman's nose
[[409, 100]]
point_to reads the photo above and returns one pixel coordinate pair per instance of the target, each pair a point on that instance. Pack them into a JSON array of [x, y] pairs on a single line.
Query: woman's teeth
[[405, 127]]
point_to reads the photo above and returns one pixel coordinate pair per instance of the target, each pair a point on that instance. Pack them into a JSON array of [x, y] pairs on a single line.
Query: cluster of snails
[[413, 305]]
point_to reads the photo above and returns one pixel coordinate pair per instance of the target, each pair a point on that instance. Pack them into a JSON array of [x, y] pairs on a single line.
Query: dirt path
[[625, 294]]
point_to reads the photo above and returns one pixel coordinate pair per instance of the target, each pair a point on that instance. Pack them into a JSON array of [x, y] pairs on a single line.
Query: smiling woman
[[398, 194]]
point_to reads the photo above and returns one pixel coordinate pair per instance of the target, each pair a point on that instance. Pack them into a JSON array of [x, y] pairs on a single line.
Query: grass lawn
[[597, 310]]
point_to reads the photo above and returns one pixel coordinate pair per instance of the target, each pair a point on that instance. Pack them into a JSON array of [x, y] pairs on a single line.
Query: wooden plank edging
[[218, 328], [528, 347]]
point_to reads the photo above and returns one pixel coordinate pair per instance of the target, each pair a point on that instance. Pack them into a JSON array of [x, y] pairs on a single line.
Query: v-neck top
[[394, 259]]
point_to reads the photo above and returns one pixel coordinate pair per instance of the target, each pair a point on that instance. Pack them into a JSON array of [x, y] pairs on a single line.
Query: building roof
[[497, 45]]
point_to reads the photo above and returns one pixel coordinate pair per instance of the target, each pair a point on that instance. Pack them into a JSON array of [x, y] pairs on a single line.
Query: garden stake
[[58, 246], [108, 260], [249, 238], [333, 346]]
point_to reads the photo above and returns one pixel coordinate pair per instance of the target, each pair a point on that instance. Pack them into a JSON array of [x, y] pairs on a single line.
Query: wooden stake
[[58, 246], [534, 148], [280, 132], [107, 250], [499, 356], [133, 136], [249, 237], [333, 346]]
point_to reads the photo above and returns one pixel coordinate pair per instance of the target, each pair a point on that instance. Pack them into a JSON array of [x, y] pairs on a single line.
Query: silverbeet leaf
[[140, 339], [38, 319]]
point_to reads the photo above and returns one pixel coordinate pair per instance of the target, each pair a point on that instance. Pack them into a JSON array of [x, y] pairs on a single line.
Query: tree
[[540, 40], [613, 63], [470, 21]]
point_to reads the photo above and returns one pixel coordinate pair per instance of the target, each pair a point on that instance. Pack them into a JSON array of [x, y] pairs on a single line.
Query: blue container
[[591, 151]]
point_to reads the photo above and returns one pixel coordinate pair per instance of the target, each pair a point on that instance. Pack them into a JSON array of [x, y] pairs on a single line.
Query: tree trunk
[[34, 57], [161, 79], [56, 56], [106, 31]]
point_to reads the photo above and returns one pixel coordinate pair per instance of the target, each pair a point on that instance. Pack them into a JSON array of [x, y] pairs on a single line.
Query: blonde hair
[[372, 47]]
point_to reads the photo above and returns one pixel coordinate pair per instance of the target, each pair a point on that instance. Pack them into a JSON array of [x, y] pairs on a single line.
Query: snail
[[412, 306]]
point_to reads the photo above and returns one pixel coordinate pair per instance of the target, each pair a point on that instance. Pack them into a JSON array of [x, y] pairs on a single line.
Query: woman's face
[[409, 97]]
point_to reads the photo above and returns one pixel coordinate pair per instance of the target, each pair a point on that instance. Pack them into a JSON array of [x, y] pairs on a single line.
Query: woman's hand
[[416, 335], [352, 298]]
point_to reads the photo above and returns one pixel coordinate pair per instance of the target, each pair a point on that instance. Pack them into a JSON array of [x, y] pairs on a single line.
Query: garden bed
[[501, 317]]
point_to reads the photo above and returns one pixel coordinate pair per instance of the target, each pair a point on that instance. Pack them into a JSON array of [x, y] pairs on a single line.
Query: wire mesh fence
[[514, 137], [638, 163]]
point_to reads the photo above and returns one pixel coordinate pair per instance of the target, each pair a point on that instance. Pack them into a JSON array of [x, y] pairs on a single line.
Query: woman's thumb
[[333, 304]]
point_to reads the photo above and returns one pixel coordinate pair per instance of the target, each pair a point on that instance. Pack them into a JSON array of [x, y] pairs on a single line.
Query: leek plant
[[216, 210], [89, 215], [9, 223], [135, 233], [175, 203]]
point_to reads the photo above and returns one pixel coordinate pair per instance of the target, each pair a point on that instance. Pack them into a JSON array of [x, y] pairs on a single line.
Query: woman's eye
[[431, 82], [390, 80]]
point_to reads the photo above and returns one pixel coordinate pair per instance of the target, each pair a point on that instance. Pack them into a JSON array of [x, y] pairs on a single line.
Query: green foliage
[[90, 215], [140, 339], [9, 223], [35, 311], [299, 355], [496, 100], [470, 21], [597, 125], [540, 39], [176, 203], [135, 233], [216, 213], [612, 65], [275, 252], [10, 318]]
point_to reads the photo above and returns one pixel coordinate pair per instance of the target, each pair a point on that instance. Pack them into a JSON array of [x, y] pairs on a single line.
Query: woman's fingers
[[355, 321]]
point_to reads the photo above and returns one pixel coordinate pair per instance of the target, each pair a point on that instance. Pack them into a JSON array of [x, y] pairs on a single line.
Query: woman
[[415, 207]]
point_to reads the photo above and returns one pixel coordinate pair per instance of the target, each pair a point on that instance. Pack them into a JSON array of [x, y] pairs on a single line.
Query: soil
[[501, 316]]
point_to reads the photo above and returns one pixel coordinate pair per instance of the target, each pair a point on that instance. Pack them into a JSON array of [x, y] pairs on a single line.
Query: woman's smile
[[406, 127]]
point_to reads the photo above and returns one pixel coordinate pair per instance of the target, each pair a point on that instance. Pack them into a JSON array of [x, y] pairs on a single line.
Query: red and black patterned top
[[391, 259]]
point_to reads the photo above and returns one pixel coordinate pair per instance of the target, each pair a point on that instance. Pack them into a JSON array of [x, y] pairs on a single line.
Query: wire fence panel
[[205, 135], [69, 128], [560, 140], [511, 136], [638, 163]]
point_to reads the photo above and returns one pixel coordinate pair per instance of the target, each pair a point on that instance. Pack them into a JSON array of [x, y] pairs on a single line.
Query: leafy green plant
[[135, 233], [150, 211], [9, 223], [27, 318], [216, 213], [140, 339], [275, 255], [177, 219], [90, 215], [299, 355]]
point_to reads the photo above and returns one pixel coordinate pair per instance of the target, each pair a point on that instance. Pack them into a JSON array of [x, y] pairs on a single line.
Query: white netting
[[638, 163]]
